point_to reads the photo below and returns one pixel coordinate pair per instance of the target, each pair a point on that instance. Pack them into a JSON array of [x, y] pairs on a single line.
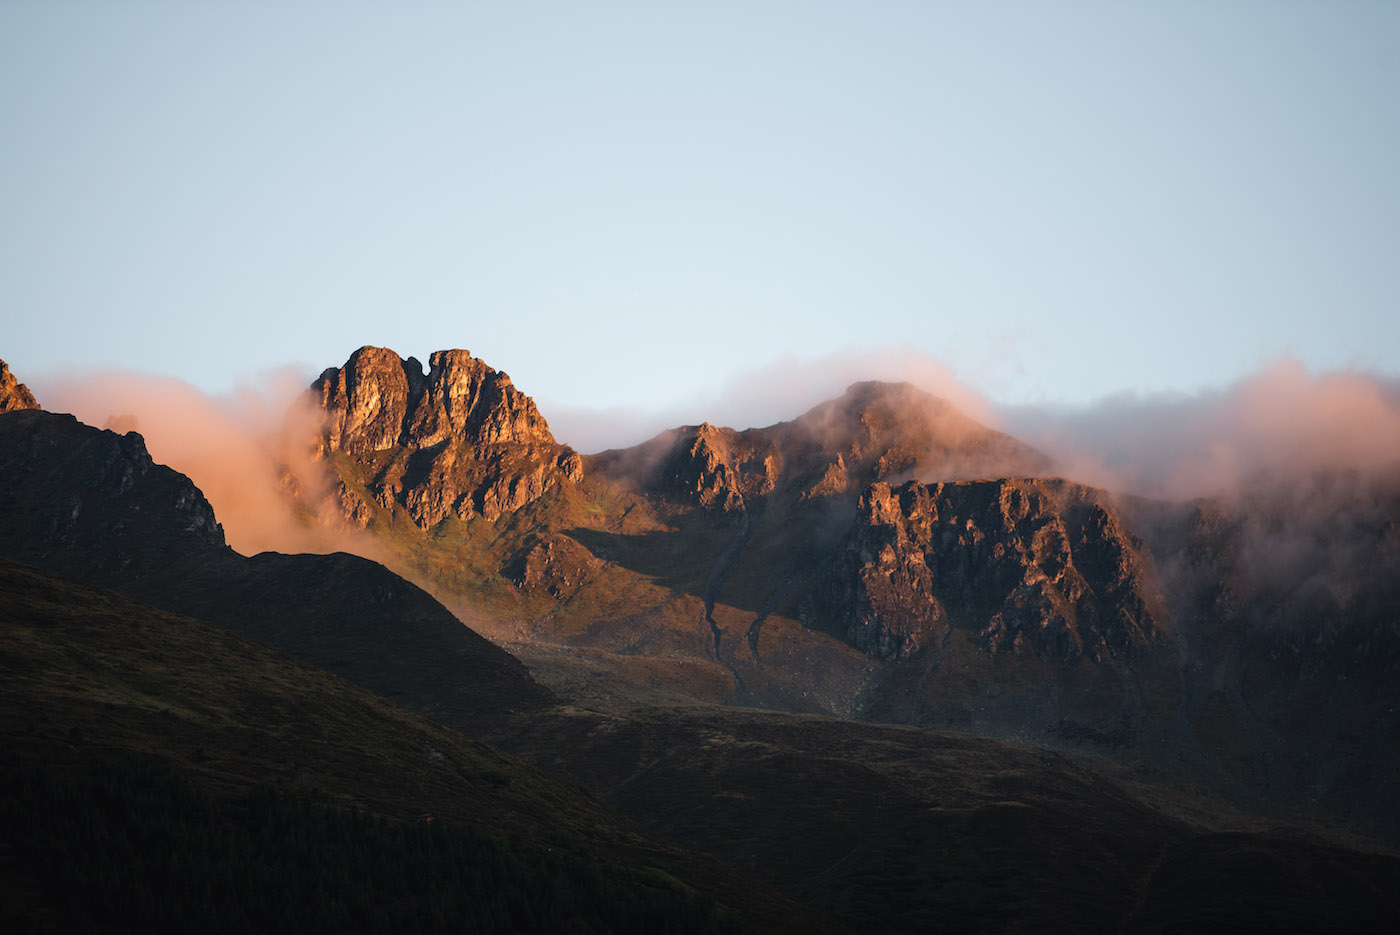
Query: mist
[[246, 450], [778, 392], [1281, 425]]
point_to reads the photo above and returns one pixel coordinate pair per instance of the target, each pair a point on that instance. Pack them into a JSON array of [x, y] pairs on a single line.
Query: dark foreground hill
[[160, 774], [164, 775], [908, 830], [91, 504]]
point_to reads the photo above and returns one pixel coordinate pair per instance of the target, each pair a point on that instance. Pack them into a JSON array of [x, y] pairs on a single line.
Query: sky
[[642, 209]]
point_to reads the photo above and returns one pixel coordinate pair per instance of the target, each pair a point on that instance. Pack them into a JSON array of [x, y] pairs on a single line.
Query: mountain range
[[880, 663]]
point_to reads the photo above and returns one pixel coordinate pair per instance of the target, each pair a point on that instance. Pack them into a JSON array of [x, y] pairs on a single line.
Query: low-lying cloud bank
[[242, 450], [1280, 424], [776, 393]]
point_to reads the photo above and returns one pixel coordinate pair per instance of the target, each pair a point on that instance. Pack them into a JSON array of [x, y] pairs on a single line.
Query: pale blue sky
[[636, 204]]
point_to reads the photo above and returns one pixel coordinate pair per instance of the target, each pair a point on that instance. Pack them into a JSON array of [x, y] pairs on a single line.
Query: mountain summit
[[874, 432], [378, 401], [459, 441]]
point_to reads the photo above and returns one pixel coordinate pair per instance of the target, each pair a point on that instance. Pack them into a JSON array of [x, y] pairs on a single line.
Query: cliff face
[[378, 401], [1038, 566], [459, 441], [14, 395]]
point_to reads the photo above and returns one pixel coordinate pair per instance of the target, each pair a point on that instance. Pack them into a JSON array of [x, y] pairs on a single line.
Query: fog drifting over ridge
[[1277, 424], [1279, 421], [778, 392], [239, 448]]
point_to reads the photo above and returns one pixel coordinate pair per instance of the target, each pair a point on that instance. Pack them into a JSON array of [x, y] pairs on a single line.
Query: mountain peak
[[874, 431], [14, 395], [379, 400], [876, 389], [887, 430], [485, 448]]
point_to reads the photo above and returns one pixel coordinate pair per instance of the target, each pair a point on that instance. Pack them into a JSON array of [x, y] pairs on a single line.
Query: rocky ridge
[[459, 441], [873, 432]]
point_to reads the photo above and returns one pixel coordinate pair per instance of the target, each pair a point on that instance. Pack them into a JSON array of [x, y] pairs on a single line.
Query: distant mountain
[[885, 557], [875, 432]]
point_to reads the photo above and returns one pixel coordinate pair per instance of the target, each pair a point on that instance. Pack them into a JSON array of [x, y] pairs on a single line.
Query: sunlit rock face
[[378, 401], [14, 395], [700, 471], [460, 441], [1040, 566]]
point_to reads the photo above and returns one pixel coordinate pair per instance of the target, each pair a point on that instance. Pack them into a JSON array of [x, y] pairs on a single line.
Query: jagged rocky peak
[[1043, 566], [14, 395], [378, 401], [465, 441]]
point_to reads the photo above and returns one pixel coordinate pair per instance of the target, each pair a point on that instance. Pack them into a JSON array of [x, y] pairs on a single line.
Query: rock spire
[[14, 395]]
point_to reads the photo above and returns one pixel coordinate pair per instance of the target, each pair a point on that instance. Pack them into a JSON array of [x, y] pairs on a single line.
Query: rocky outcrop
[[556, 565], [14, 395], [462, 441], [700, 472], [1030, 565]]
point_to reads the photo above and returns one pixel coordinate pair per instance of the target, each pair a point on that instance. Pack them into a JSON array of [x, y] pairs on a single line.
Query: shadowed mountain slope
[[91, 504], [1038, 566]]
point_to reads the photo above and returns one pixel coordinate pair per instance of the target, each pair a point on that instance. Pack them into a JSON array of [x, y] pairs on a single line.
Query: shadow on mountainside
[[753, 562], [678, 559]]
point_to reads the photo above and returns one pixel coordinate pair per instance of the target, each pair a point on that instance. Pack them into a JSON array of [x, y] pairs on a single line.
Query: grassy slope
[[899, 829], [88, 676], [635, 599]]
